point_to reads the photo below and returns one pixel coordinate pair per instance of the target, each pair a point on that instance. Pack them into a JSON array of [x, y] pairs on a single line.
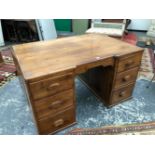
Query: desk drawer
[[56, 122], [129, 62], [52, 105], [122, 94], [51, 86], [126, 77]]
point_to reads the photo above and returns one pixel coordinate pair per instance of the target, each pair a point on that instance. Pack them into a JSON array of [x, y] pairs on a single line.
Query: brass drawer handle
[[50, 87], [55, 104], [126, 78], [58, 122], [121, 94], [129, 63]]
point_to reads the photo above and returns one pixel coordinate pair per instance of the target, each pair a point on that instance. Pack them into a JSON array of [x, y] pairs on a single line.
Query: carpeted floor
[[147, 67], [15, 116], [147, 128], [7, 68]]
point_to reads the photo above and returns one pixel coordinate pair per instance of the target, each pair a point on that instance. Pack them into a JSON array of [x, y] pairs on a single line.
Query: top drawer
[[51, 86], [129, 62]]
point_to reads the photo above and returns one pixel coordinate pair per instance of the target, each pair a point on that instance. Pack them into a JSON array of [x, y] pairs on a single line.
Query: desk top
[[42, 58]]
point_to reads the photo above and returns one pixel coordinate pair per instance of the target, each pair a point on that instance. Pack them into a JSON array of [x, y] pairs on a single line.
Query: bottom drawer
[[61, 120], [122, 94]]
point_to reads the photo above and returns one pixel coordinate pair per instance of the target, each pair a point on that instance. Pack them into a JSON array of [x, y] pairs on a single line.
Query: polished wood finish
[[54, 123], [51, 86], [103, 81], [121, 94], [48, 68], [126, 77], [49, 57], [126, 63], [53, 104]]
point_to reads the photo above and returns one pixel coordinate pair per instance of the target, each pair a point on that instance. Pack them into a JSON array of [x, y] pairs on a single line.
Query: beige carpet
[[7, 67], [146, 69], [147, 128]]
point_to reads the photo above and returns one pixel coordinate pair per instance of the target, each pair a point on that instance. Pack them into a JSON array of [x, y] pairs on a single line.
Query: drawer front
[[57, 122], [125, 78], [52, 105], [51, 86], [129, 62], [122, 94]]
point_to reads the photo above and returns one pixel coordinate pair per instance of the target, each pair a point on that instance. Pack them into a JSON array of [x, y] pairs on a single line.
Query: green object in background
[[79, 26], [63, 24]]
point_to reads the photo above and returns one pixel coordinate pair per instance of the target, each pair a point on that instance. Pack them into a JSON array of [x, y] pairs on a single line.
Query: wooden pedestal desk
[[48, 68]]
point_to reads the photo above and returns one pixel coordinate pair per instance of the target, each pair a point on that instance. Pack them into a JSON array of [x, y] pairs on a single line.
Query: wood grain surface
[[48, 57]]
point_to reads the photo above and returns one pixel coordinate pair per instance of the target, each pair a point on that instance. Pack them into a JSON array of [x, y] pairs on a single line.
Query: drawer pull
[[129, 63], [121, 94], [55, 104], [53, 85], [126, 78], [58, 122]]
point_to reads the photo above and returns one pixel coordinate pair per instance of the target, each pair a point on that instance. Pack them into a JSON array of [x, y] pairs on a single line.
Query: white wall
[[1, 36], [46, 29], [139, 24]]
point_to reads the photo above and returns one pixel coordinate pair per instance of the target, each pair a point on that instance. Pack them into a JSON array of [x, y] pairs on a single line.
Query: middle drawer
[[51, 105], [125, 78]]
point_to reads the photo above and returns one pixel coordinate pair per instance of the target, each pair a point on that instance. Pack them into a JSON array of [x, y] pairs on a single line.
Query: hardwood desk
[[48, 68]]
